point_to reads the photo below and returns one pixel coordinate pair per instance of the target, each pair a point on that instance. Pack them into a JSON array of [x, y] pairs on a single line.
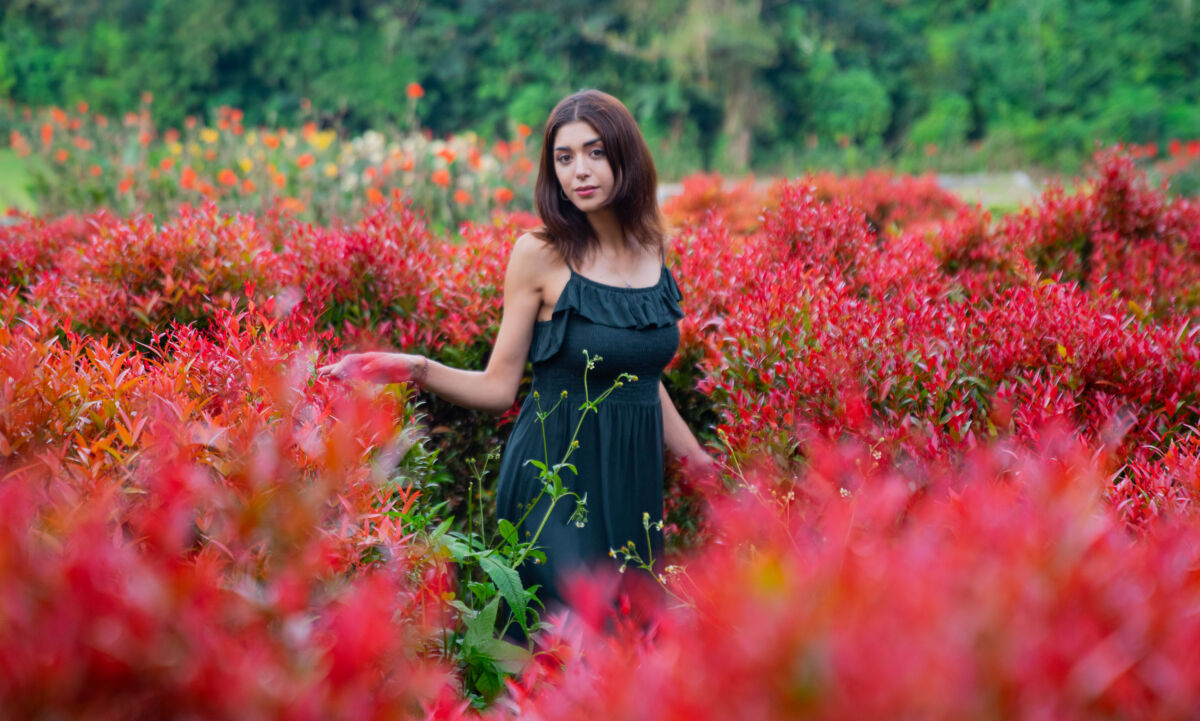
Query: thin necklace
[[621, 276]]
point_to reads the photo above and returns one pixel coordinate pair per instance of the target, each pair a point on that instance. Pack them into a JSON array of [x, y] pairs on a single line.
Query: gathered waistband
[[550, 385]]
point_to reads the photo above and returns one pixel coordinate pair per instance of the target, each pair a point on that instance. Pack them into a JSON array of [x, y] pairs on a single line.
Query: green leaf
[[508, 532], [482, 626], [483, 591], [508, 581], [510, 657], [441, 529]]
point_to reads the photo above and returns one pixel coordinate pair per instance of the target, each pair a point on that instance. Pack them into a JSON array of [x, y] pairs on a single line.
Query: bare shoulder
[[534, 259]]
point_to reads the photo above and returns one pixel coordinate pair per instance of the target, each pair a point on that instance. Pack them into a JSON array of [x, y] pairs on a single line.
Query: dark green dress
[[620, 453]]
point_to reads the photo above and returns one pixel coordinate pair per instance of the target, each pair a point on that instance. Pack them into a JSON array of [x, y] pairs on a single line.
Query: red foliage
[[193, 522], [995, 588]]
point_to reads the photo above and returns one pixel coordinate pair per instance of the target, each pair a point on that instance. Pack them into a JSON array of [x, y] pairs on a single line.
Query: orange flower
[[523, 130], [293, 205], [145, 137], [271, 140], [101, 121], [441, 177], [236, 114], [147, 97], [154, 173], [171, 136], [73, 125], [223, 124], [305, 104], [187, 178], [503, 195], [280, 180], [370, 172], [82, 143], [166, 163], [58, 116], [931, 149], [238, 129], [447, 154], [373, 195], [207, 190], [47, 133], [125, 185], [415, 91], [248, 186], [473, 158], [408, 163], [95, 170], [81, 107], [189, 122], [227, 177], [462, 197], [305, 160], [61, 155], [210, 154], [308, 130]]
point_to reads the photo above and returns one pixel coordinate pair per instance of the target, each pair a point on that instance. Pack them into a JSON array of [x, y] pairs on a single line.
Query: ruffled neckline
[[626, 289], [652, 306]]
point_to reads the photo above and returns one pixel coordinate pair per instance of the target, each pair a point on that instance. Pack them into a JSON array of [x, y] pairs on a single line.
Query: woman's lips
[[585, 191]]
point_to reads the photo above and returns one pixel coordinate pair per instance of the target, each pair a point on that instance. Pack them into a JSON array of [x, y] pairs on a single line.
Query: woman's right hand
[[375, 367]]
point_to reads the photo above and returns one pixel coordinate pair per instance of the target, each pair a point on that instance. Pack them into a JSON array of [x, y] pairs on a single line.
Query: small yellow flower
[[322, 140], [245, 164], [251, 138], [209, 135], [175, 147], [331, 170], [194, 150]]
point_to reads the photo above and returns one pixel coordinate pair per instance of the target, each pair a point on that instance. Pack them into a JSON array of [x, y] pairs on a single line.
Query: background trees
[[724, 84]]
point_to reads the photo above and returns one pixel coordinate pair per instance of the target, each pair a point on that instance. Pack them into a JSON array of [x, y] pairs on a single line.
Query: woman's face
[[582, 166]]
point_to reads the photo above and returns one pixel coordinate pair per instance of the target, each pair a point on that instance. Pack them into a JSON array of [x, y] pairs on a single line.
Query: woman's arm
[[678, 437], [493, 389]]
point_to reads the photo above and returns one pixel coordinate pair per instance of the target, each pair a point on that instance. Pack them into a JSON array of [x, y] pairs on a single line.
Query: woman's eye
[[564, 158], [597, 152]]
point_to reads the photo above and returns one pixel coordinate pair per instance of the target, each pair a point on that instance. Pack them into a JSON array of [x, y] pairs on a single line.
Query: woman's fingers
[[374, 367]]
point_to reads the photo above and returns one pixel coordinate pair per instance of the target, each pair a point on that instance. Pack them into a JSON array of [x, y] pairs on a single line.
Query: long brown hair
[[634, 199]]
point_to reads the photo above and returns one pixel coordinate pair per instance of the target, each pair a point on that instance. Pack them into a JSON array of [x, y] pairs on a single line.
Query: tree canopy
[[719, 84]]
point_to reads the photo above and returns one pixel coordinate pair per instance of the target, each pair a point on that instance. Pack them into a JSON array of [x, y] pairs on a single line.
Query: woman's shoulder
[[536, 262], [533, 251]]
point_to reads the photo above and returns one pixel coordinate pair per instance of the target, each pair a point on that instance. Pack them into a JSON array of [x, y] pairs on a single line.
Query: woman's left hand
[[373, 367]]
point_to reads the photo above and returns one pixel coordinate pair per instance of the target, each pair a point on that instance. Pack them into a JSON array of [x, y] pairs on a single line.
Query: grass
[[13, 181]]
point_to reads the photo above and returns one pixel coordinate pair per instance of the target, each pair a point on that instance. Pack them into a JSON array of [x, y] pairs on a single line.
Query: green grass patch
[[13, 181]]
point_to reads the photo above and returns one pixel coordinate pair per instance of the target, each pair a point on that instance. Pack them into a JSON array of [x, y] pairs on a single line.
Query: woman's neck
[[609, 233]]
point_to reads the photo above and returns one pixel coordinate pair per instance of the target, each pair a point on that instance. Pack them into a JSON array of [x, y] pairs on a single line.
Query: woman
[[592, 278]]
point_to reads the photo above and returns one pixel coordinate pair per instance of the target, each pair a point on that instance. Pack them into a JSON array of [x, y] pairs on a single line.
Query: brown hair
[[634, 199]]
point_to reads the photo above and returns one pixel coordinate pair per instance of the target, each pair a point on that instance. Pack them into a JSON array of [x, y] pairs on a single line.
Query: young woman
[[593, 278]]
